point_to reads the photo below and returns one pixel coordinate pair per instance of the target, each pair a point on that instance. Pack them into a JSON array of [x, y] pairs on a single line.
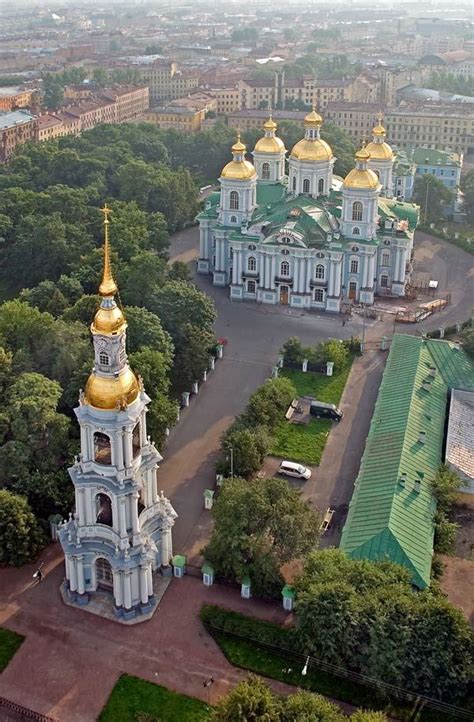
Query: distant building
[[460, 439], [391, 513], [403, 176], [458, 62], [15, 97], [16, 127], [165, 81], [48, 127], [179, 118], [245, 119], [444, 165]]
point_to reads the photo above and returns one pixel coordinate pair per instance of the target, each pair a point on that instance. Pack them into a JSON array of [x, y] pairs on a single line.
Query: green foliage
[[260, 525], [47, 492], [267, 405], [307, 707], [133, 699], [249, 445], [245, 35], [10, 642], [363, 715], [467, 187], [432, 196], [365, 616], [178, 303], [467, 338], [21, 539], [240, 624], [442, 80], [293, 352], [251, 699], [445, 488]]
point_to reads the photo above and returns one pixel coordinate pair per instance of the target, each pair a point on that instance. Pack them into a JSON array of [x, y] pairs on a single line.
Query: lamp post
[[304, 671], [231, 459]]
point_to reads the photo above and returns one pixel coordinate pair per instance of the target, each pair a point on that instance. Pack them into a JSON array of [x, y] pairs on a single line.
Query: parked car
[[290, 468], [325, 411]]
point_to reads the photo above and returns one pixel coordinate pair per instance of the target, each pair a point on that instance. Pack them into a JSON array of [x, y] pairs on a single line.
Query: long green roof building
[[391, 514]]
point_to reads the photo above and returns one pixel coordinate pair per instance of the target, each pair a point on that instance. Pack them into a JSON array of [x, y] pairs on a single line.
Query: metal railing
[[383, 688], [23, 712]]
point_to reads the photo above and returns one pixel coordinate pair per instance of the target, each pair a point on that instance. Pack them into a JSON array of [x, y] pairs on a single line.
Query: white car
[[289, 468]]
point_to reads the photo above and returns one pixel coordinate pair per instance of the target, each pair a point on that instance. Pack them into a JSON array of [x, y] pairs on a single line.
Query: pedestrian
[[343, 321]]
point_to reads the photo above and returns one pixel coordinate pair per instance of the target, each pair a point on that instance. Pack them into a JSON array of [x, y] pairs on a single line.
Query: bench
[[327, 520], [291, 409]]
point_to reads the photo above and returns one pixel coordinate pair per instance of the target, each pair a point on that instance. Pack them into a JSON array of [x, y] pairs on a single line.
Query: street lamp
[[304, 671], [231, 458]]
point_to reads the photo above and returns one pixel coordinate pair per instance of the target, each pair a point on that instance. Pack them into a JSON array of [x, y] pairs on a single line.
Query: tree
[[445, 488], [307, 707], [293, 352], [145, 329], [21, 539], [267, 405], [260, 525], [467, 338], [467, 187], [364, 715], [178, 303], [142, 277], [179, 271], [193, 347], [249, 448], [251, 699], [336, 352], [432, 196], [47, 492], [100, 76]]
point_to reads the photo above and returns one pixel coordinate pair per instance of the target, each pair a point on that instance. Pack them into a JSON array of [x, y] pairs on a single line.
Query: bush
[[21, 539], [249, 448], [467, 338], [293, 352], [268, 405], [248, 627]]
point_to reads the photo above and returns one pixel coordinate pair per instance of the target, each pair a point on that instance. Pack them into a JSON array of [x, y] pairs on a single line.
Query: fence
[[380, 688], [21, 713]]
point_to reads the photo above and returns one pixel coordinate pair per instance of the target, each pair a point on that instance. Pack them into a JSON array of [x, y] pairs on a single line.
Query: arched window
[[252, 263], [234, 200], [385, 259], [356, 231], [104, 359], [320, 186], [357, 211], [136, 443], [319, 295], [233, 219], [294, 182], [103, 510], [265, 171], [354, 266], [306, 185], [102, 449], [104, 573], [284, 268], [319, 272]]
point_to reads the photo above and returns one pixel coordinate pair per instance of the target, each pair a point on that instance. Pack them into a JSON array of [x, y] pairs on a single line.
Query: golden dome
[[239, 147], [239, 170], [378, 130], [362, 154], [270, 124], [269, 145], [111, 392], [313, 119], [316, 149], [379, 151], [361, 178], [109, 321]]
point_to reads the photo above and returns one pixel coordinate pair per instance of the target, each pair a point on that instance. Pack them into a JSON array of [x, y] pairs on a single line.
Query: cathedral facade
[[121, 531], [307, 238]]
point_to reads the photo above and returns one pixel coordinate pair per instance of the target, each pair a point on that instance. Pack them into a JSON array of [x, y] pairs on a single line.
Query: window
[[321, 186], [356, 231], [384, 280], [357, 211], [252, 263], [306, 185], [233, 219], [385, 259], [294, 183], [319, 273], [251, 287], [104, 359], [234, 200], [103, 509], [354, 266], [136, 445], [265, 171], [284, 268], [319, 295], [102, 449]]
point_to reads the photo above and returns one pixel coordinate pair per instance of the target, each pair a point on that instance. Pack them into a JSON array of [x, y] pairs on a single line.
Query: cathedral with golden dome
[[284, 229], [121, 531]]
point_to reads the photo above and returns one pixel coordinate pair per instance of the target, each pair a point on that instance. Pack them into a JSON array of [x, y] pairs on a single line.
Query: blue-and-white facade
[[310, 239]]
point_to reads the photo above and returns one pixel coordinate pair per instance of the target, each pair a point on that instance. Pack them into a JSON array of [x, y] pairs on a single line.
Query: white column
[[166, 551], [365, 273], [143, 438], [241, 265], [273, 273], [337, 278], [127, 449], [80, 574], [72, 574], [266, 281], [89, 443], [90, 510], [302, 275], [118, 591], [134, 513], [81, 508], [66, 566], [234, 269], [372, 262], [296, 274], [308, 275], [403, 264], [149, 580], [143, 585], [119, 450], [84, 444], [331, 271], [122, 517], [127, 589]]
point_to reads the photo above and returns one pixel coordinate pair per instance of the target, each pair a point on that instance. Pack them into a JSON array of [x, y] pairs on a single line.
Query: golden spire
[[107, 286]]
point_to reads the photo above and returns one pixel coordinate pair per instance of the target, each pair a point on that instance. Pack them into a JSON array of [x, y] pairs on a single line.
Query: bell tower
[[120, 533]]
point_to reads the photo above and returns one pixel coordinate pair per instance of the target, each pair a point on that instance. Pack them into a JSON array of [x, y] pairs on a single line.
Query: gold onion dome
[[361, 176], [110, 391], [269, 143], [379, 149], [239, 168], [316, 149], [270, 124]]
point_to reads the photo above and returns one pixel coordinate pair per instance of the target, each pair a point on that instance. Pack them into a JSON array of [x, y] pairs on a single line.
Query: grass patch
[[133, 698], [306, 443], [9, 644]]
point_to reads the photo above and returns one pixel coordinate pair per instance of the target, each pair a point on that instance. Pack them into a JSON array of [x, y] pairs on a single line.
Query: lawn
[[306, 443], [9, 643], [133, 699]]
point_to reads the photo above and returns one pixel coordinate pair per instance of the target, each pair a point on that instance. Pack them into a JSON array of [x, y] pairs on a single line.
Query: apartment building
[[228, 100], [131, 101], [48, 127], [165, 81], [16, 127], [14, 97], [245, 119], [430, 126], [177, 117]]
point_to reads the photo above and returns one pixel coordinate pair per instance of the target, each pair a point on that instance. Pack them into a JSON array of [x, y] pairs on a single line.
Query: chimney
[[432, 371], [403, 479], [417, 486], [422, 437], [426, 385]]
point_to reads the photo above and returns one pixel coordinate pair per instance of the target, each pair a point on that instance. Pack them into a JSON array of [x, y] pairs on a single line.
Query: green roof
[[389, 518], [432, 156]]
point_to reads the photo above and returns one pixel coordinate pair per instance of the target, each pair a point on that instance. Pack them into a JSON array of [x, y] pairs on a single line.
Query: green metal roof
[[432, 156], [390, 519]]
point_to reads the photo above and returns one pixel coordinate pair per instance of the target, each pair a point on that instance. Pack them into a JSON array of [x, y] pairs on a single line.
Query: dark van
[[325, 411]]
